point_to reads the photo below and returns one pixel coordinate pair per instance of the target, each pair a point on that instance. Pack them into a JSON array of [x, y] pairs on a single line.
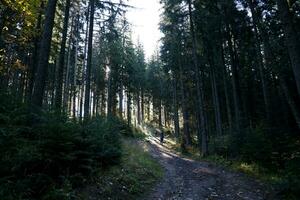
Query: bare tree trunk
[[165, 116], [148, 109], [291, 101], [89, 63], [216, 102], [225, 79], [138, 102], [67, 79], [83, 67], [142, 105], [159, 115], [292, 38], [175, 109], [288, 96], [186, 139], [260, 60], [32, 68], [103, 102], [42, 66], [77, 35], [202, 132], [61, 60], [121, 99], [109, 95], [128, 109], [234, 79]]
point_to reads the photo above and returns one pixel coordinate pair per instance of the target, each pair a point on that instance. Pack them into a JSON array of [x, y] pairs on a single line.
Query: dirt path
[[187, 179]]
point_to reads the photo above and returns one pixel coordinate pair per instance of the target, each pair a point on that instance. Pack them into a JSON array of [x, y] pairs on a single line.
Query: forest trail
[[187, 179]]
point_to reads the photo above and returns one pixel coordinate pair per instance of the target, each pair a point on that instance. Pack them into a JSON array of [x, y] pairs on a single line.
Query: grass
[[277, 180], [250, 169], [131, 179]]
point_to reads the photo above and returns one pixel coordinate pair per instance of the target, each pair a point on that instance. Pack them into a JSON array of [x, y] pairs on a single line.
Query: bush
[[104, 136], [37, 161], [252, 145]]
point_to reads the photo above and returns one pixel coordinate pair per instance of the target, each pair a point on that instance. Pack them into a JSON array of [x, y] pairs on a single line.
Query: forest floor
[[199, 180]]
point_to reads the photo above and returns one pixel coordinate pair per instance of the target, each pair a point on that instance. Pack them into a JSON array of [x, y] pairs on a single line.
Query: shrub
[[104, 137], [252, 145], [37, 161]]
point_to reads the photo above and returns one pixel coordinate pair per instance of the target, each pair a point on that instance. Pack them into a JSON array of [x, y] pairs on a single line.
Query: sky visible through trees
[[145, 27], [219, 79]]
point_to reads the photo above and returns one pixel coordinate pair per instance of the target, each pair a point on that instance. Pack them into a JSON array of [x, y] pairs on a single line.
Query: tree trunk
[[121, 100], [77, 35], [42, 66], [234, 80], [66, 95], [202, 132], [61, 60], [159, 114], [291, 101], [291, 37], [175, 109], [109, 95], [225, 84], [216, 102], [89, 63], [128, 109], [138, 102], [260, 60], [142, 105], [32, 67], [186, 139], [84, 67], [148, 109]]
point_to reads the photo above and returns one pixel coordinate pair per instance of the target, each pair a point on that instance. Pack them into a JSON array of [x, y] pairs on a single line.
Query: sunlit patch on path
[[186, 179]]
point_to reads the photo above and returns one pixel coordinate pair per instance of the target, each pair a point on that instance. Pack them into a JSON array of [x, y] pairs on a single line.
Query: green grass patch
[[137, 172]]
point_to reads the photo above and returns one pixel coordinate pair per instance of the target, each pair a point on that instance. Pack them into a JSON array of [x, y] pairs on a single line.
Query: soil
[[187, 179]]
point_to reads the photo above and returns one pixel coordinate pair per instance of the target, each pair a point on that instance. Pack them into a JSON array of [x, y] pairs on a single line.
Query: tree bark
[[128, 108], [186, 139], [84, 67], [121, 100], [159, 114], [202, 132], [260, 63], [89, 62], [34, 59], [225, 84], [234, 81], [291, 101], [216, 102], [291, 37], [110, 95], [61, 60], [175, 109], [142, 105], [42, 67]]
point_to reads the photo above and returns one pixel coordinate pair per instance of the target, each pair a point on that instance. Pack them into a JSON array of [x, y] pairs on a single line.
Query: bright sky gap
[[145, 24]]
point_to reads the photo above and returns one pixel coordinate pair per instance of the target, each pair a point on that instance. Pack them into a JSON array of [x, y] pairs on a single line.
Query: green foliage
[[271, 155], [137, 172], [291, 185], [252, 145], [39, 161], [104, 136]]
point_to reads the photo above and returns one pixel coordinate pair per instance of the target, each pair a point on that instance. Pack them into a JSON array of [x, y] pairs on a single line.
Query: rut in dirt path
[[186, 179]]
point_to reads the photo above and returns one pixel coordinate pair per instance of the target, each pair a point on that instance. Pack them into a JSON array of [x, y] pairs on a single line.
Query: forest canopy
[[225, 80]]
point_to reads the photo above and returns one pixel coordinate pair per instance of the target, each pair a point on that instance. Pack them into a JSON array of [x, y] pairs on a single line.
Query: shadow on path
[[186, 179]]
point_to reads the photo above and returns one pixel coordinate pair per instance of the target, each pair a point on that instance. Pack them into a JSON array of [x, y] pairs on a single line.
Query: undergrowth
[[137, 172], [275, 161], [48, 159]]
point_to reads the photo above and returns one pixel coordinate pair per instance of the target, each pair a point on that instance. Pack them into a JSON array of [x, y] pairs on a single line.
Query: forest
[[79, 98]]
